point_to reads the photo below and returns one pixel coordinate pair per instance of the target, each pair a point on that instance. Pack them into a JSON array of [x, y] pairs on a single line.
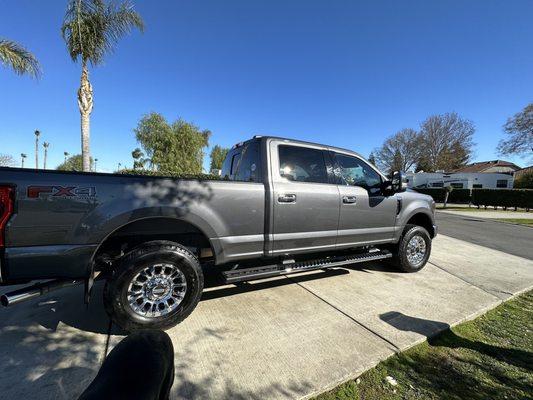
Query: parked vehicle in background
[[281, 206]]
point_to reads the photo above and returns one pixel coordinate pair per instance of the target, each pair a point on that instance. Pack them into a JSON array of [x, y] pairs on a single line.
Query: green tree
[[73, 163], [218, 155], [91, 29], [520, 131], [172, 148], [19, 59], [138, 160], [524, 181]]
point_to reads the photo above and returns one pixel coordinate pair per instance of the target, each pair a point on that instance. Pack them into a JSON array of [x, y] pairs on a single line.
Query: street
[[512, 239]]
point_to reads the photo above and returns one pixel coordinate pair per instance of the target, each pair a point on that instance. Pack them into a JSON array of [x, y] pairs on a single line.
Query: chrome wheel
[[416, 250], [157, 290]]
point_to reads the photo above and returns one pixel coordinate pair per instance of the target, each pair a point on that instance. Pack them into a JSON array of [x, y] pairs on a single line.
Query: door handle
[[287, 198], [349, 199]]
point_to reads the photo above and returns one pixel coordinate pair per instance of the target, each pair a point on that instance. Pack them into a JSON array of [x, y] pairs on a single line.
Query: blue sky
[[348, 73]]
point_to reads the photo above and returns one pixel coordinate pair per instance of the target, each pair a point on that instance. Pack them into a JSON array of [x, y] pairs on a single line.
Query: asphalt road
[[512, 239]]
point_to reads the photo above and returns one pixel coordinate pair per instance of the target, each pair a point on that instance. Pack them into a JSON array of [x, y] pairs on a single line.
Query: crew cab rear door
[[305, 200], [367, 215]]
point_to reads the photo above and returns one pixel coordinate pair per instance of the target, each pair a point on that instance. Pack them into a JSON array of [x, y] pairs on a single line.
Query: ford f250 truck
[[281, 206]]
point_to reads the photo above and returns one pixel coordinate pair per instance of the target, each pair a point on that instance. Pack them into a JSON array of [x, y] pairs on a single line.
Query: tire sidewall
[[116, 290], [405, 264]]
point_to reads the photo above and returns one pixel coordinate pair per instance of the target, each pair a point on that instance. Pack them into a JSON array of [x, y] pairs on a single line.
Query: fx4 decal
[[34, 192]]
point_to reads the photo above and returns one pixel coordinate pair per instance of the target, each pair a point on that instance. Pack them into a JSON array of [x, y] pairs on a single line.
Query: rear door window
[[302, 164], [249, 168]]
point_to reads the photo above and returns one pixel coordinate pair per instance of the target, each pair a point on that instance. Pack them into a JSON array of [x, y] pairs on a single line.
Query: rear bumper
[[46, 262]]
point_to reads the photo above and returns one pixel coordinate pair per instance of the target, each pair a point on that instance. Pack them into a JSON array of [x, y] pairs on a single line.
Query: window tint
[[302, 164], [228, 168], [249, 169], [355, 172]]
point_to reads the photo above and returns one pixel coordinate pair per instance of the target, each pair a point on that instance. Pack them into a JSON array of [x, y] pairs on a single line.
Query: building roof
[[484, 165]]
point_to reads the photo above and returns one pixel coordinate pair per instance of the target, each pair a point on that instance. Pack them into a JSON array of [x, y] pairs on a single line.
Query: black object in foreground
[[140, 367]]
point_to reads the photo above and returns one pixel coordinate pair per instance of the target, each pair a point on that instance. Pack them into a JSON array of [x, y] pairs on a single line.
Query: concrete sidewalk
[[290, 337]]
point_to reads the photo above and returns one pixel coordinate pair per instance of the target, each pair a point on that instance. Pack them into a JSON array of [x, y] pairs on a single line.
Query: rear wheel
[[412, 252], [156, 285]]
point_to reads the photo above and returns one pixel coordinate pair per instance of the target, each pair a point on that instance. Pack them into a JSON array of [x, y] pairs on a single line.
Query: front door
[[305, 199], [367, 216]]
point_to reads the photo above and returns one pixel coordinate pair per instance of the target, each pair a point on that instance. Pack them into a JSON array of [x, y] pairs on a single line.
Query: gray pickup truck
[[281, 206]]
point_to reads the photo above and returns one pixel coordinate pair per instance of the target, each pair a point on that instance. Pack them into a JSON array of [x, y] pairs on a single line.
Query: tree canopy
[[399, 152], [73, 163], [445, 142], [18, 58], [91, 28], [218, 155], [519, 129], [176, 147]]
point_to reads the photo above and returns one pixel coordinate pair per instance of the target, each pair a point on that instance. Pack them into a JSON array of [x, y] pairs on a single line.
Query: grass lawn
[[520, 221], [490, 357]]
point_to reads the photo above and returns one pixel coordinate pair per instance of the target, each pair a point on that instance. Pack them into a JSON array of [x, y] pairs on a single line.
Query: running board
[[267, 271]]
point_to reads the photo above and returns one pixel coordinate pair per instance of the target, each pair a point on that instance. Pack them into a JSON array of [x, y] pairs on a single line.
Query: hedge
[[522, 198], [456, 195]]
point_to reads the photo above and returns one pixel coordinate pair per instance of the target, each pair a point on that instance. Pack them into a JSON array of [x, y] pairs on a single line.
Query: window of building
[[456, 185], [356, 172], [437, 184], [302, 164], [501, 183], [477, 186]]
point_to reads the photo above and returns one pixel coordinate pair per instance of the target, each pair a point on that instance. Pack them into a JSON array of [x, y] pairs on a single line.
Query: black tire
[[171, 254], [400, 252]]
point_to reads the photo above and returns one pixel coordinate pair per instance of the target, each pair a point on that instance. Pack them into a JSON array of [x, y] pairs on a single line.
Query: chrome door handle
[[287, 198], [349, 199]]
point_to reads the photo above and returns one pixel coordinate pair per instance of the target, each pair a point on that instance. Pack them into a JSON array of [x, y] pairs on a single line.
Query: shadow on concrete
[[440, 334]]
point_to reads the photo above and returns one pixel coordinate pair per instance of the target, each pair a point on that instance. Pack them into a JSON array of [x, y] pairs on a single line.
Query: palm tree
[[37, 134], [66, 154], [45, 145], [22, 158], [91, 29], [18, 58], [95, 161]]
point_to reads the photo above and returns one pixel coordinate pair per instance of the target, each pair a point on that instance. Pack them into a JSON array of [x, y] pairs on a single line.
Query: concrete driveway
[[289, 337]]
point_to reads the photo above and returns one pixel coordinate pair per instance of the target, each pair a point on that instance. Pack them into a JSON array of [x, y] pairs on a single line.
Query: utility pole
[[45, 145], [37, 133], [23, 157]]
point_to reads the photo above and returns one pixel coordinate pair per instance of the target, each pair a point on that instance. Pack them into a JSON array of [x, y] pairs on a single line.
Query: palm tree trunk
[[36, 152], [85, 104]]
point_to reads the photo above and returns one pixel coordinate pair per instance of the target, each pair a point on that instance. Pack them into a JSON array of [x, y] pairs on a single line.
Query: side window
[[230, 164], [302, 164], [249, 169], [356, 172]]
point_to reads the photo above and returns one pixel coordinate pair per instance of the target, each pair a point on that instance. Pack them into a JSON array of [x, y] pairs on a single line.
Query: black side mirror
[[398, 182]]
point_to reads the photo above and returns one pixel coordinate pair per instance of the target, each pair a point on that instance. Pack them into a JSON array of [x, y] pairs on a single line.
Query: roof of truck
[[334, 148]]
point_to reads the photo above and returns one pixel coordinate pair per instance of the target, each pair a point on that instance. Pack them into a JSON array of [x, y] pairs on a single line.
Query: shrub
[[524, 181], [160, 174]]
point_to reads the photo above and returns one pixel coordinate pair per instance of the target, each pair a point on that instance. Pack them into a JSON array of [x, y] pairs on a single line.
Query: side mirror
[[398, 182]]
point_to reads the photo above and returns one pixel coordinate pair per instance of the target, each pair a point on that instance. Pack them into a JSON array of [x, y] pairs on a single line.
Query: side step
[[267, 271]]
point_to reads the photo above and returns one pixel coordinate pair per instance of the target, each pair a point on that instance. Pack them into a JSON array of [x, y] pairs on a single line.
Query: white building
[[460, 180]]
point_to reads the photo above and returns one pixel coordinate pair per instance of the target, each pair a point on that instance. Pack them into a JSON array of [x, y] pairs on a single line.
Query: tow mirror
[[398, 182]]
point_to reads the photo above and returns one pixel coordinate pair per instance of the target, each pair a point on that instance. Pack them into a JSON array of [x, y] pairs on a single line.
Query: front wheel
[[156, 285], [412, 252]]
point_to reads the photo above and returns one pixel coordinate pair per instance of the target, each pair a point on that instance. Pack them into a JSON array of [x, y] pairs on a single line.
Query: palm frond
[[91, 29], [19, 59]]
